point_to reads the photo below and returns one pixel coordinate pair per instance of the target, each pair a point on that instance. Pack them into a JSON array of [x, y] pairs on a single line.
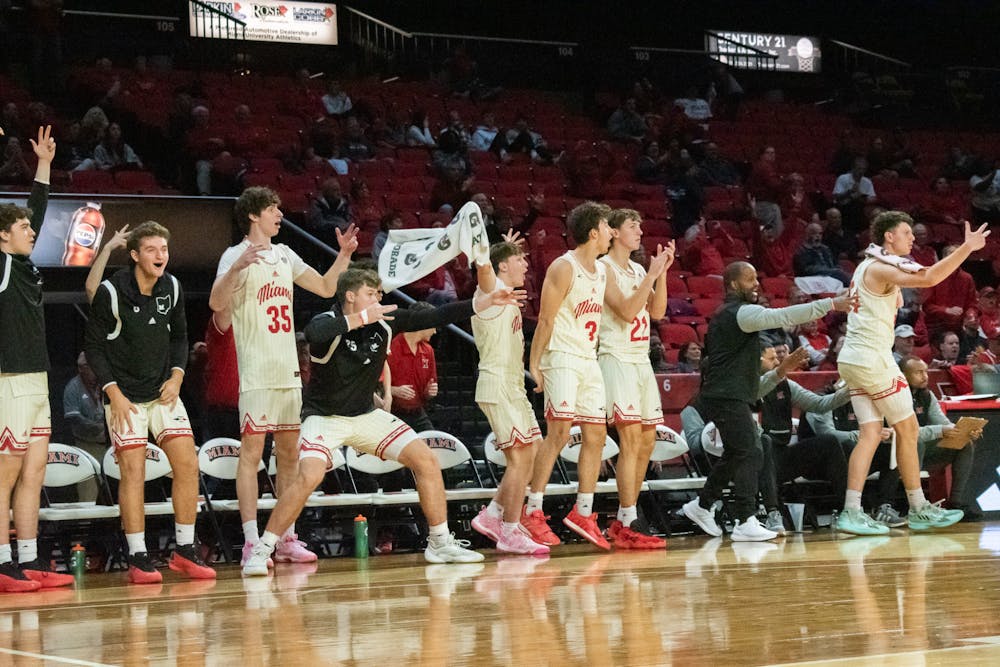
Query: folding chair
[[397, 508], [61, 524], [218, 458], [571, 454], [323, 510], [668, 446]]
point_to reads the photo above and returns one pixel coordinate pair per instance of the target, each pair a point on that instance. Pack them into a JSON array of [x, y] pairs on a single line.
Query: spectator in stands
[[902, 155], [112, 153], [841, 244], [715, 169], [971, 337], [391, 220], [95, 123], [456, 126], [83, 410], [626, 124], [71, 150], [946, 348], [989, 309], [365, 207], [588, 166], [883, 163], [814, 342], [689, 358], [726, 91], [815, 259], [451, 190], [336, 101], [700, 256], [419, 131], [355, 146], [943, 205], [14, 167], [922, 252], [796, 205], [387, 130], [816, 457], [413, 369], [657, 354], [446, 284], [694, 106], [765, 187], [451, 152], [329, 211], [933, 425], [960, 165], [902, 346], [464, 80], [523, 139], [946, 303], [487, 136], [774, 250], [202, 143], [485, 205], [852, 192], [652, 167], [986, 194], [685, 195]]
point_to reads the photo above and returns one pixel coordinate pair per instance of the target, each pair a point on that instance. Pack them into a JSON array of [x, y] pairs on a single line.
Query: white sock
[[136, 543], [852, 500], [250, 533], [290, 533], [509, 528], [184, 533], [438, 533], [534, 502], [627, 515], [269, 539], [493, 510], [5, 554], [27, 550], [585, 504], [914, 497]]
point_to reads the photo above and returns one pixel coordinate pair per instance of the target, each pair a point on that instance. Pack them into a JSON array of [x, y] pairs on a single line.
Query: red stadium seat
[[706, 286], [137, 182], [676, 335], [776, 286], [93, 181]]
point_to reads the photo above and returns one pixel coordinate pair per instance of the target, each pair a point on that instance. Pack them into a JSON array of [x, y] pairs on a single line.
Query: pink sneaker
[[519, 542], [487, 525], [293, 550], [247, 548]]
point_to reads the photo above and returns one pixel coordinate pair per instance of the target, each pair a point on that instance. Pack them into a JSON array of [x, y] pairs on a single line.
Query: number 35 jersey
[[626, 341], [263, 324], [578, 321]]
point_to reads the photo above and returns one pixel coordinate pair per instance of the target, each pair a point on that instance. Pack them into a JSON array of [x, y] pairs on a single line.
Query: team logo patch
[[163, 304]]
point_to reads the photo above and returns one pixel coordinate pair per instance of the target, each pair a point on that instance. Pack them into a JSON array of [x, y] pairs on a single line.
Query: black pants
[[820, 457], [416, 419], [742, 456]]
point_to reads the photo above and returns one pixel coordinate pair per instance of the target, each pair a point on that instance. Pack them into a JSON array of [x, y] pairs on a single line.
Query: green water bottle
[[77, 560], [360, 536]]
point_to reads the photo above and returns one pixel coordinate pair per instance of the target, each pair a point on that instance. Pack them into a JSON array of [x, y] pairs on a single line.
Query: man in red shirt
[[766, 188], [414, 374], [946, 303], [221, 380]]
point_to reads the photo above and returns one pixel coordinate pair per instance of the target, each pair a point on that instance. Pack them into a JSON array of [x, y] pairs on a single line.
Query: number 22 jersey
[[626, 341], [263, 323]]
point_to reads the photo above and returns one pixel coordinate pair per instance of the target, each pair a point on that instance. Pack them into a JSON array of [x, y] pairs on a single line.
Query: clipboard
[[961, 435]]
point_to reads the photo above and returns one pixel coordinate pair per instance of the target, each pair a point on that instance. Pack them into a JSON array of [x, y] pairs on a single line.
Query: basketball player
[[348, 348], [878, 388], [25, 421], [633, 298], [136, 342], [255, 282], [563, 363], [501, 396]]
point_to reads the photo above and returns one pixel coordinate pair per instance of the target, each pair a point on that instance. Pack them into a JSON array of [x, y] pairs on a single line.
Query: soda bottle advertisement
[[86, 227]]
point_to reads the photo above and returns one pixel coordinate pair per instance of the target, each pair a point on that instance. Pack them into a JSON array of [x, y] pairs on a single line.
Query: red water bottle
[[86, 228]]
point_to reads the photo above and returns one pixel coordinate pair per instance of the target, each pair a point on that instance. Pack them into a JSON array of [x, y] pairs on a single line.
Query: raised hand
[[793, 362], [119, 239], [45, 147], [508, 297], [662, 260], [348, 239], [514, 236], [378, 312], [250, 256], [976, 240]]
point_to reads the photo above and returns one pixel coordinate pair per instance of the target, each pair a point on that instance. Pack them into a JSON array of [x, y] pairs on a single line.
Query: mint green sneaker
[[859, 523], [932, 515]]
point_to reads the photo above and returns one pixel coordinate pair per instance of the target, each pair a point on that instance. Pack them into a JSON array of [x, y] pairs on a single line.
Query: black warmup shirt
[[347, 364], [136, 340], [731, 367], [22, 318]]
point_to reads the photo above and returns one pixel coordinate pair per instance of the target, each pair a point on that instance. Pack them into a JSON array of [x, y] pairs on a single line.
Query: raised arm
[[811, 402], [627, 307], [879, 275], [557, 283], [45, 151], [326, 285], [752, 317], [225, 284], [96, 273]]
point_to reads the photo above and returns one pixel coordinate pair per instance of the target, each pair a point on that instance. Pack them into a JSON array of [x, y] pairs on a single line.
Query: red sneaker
[[586, 527], [12, 580], [613, 530], [629, 538], [38, 571], [142, 571], [537, 526], [186, 560]]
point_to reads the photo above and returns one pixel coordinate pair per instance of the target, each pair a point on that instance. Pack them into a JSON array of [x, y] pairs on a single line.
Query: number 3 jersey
[[263, 324], [578, 320], [626, 341]]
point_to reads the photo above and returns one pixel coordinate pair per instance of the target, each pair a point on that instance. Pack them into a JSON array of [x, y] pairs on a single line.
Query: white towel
[[902, 263]]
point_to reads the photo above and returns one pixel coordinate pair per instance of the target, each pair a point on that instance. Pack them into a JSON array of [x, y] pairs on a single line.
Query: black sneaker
[[36, 570], [141, 569], [187, 560], [13, 580]]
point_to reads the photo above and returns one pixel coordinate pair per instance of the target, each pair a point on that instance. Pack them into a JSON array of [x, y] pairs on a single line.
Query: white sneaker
[[518, 541], [703, 517], [450, 550], [751, 531], [256, 564]]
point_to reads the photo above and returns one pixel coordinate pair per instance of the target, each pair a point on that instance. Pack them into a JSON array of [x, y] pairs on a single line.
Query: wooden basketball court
[[907, 599]]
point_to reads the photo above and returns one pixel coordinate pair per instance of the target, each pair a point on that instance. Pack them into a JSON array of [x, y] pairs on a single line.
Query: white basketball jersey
[[263, 322], [578, 320], [871, 326], [627, 341], [500, 340]]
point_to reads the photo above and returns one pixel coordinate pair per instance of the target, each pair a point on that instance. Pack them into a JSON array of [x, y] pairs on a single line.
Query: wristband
[[364, 317]]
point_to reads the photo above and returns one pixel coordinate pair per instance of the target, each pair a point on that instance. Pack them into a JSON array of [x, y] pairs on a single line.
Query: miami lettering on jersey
[[587, 307], [272, 291]]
